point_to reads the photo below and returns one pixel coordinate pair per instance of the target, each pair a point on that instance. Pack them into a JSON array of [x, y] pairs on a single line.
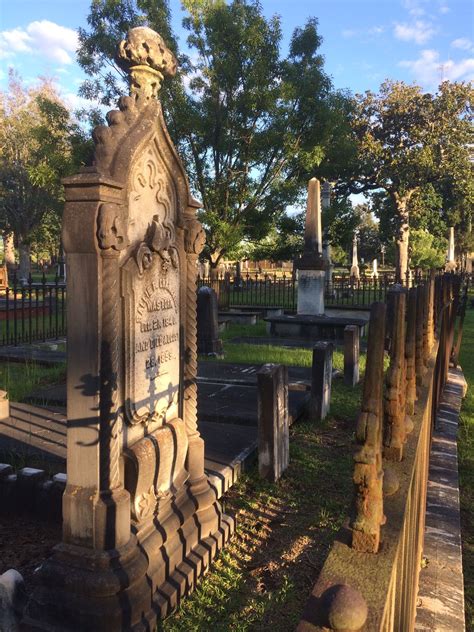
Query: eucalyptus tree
[[407, 139], [39, 144]]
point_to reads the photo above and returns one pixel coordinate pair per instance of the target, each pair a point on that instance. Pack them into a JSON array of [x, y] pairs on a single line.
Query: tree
[[426, 250], [38, 145], [407, 139], [252, 127]]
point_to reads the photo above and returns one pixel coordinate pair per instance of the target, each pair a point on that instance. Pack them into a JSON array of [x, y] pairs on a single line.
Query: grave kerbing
[[141, 521]]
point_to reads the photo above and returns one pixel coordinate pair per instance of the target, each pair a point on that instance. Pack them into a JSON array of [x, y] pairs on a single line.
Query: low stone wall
[[379, 577], [370, 578]]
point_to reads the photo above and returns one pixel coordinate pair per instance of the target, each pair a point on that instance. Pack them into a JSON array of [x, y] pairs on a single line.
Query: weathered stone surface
[[132, 241], [351, 355], [347, 609], [321, 381], [12, 600], [311, 292], [410, 350], [368, 472], [311, 273], [395, 391], [208, 341], [273, 426], [391, 482]]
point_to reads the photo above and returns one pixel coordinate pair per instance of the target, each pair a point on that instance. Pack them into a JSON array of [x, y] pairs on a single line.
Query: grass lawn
[[466, 467], [263, 578]]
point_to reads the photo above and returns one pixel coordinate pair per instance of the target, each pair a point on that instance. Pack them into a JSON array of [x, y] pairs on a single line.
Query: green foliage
[[466, 467], [39, 144], [426, 250], [250, 126], [407, 139]]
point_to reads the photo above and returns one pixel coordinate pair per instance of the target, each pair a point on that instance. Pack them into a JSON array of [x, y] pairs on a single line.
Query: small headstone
[[351, 355], [273, 424], [321, 380], [3, 278], [12, 600], [208, 323], [4, 405]]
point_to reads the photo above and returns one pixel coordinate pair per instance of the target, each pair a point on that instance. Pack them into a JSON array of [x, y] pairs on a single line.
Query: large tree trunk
[[9, 250], [402, 239], [25, 268]]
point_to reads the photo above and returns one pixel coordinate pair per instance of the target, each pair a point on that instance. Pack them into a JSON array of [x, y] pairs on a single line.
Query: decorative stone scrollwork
[[147, 59], [110, 230], [145, 47], [195, 237]]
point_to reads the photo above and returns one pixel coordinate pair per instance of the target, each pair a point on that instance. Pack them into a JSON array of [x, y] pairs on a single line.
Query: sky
[[364, 41]]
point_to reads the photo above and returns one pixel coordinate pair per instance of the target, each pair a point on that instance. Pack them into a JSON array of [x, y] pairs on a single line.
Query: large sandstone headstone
[[141, 521]]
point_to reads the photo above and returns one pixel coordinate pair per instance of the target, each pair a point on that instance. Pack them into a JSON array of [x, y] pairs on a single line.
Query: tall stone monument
[[311, 268], [355, 273], [450, 259], [140, 520]]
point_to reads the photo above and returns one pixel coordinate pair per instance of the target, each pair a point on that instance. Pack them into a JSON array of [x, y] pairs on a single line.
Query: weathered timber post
[[395, 393], [420, 320], [273, 421], [351, 354], [410, 345], [368, 472], [321, 381]]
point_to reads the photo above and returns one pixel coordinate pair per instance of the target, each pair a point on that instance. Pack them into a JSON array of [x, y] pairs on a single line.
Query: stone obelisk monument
[[451, 262], [355, 274], [311, 268]]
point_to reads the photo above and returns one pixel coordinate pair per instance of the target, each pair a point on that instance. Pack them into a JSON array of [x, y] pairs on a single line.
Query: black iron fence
[[32, 311], [273, 290]]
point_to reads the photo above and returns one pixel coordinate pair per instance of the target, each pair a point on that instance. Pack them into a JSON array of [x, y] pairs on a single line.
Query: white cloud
[[464, 43], [429, 69], [42, 37], [444, 9], [372, 31], [413, 7], [419, 31]]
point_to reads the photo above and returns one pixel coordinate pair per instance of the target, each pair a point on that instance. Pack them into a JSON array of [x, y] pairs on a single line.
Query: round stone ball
[[347, 609]]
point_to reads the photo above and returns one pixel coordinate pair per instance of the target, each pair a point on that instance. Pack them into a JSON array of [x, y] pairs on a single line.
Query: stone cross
[[451, 262], [355, 274], [140, 518], [311, 266], [368, 471]]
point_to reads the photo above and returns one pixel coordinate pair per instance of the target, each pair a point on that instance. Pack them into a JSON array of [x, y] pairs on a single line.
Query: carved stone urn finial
[[147, 59]]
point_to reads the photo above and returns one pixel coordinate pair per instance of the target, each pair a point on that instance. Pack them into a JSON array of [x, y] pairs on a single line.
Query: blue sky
[[365, 41]]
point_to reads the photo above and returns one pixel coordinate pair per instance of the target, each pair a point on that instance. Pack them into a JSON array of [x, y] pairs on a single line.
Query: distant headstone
[[351, 354], [273, 421], [3, 278], [140, 519], [321, 381], [207, 322]]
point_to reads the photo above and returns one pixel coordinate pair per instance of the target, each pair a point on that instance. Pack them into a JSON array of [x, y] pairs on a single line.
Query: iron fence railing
[[280, 290], [32, 311]]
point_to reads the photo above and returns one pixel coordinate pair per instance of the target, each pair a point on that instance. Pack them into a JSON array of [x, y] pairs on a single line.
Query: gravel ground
[[26, 542]]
